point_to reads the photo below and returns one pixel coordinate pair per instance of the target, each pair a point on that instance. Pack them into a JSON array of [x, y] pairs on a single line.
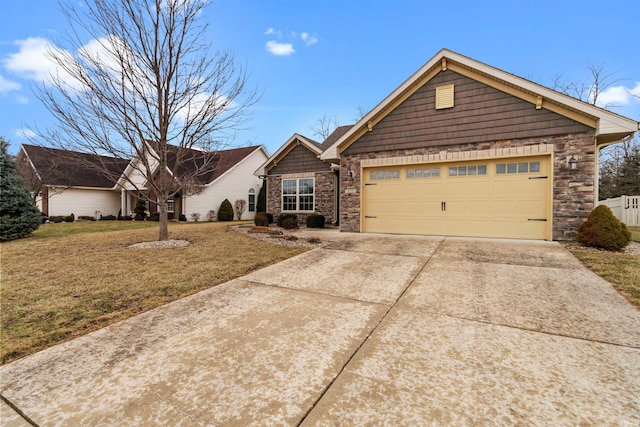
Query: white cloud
[[279, 49], [308, 40], [21, 99], [31, 61], [25, 133], [7, 86], [618, 96]]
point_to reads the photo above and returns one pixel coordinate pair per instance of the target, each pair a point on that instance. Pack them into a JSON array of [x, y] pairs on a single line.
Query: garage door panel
[[502, 201]]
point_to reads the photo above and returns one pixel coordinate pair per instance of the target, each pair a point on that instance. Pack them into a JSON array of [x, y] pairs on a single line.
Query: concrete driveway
[[367, 330]]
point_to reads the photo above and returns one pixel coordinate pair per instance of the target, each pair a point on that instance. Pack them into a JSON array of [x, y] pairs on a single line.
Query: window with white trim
[[170, 205], [298, 194], [252, 200]]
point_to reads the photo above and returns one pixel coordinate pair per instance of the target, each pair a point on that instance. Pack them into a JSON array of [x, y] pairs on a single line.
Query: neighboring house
[[62, 182], [299, 182], [229, 176]]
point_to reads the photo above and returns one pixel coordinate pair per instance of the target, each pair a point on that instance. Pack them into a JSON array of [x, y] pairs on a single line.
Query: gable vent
[[444, 97]]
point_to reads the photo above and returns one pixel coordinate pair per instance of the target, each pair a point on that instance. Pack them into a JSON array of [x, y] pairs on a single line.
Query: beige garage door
[[491, 198]]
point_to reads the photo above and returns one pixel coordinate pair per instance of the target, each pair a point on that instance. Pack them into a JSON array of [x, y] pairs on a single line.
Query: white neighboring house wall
[[232, 185], [82, 201]]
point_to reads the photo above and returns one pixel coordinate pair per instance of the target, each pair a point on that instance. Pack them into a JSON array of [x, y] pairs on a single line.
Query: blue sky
[[336, 57]]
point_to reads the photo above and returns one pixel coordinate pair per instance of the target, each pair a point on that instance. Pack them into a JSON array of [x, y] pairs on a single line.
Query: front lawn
[[622, 270], [69, 279]]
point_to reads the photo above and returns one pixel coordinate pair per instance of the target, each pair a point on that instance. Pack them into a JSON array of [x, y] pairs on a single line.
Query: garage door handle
[[443, 206], [371, 183], [537, 219], [538, 177], [370, 216]]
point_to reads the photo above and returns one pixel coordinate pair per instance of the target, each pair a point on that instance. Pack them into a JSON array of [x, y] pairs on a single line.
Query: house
[[71, 182], [63, 182], [299, 182], [464, 149], [228, 175]]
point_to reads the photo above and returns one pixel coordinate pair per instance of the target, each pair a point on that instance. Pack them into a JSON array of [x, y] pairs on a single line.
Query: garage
[[504, 198]]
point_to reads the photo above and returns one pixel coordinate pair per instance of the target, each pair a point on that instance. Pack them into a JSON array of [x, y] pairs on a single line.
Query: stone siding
[[324, 198], [573, 191]]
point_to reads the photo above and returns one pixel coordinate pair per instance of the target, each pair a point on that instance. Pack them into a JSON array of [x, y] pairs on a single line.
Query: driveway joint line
[[371, 332], [18, 411], [307, 291], [554, 334]]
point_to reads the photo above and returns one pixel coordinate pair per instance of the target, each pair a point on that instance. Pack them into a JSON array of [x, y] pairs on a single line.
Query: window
[[522, 167], [298, 194], [252, 200], [468, 170], [170, 205], [390, 174], [423, 173]]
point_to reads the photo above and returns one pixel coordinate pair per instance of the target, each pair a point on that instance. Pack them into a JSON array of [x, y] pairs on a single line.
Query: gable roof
[[609, 126], [291, 143], [65, 168], [313, 146], [216, 163]]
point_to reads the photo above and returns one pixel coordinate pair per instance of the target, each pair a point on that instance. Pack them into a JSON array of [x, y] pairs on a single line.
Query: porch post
[[123, 202]]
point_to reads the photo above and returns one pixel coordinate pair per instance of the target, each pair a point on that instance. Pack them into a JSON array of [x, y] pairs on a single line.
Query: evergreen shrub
[[283, 217], [315, 221], [603, 230], [225, 212]]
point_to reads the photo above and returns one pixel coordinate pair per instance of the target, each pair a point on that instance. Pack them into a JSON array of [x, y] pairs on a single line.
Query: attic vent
[[444, 97]]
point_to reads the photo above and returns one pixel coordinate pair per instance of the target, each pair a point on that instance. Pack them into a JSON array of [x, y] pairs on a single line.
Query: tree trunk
[[163, 232]]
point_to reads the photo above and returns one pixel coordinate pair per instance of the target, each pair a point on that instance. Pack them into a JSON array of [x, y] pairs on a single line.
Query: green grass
[[69, 279]]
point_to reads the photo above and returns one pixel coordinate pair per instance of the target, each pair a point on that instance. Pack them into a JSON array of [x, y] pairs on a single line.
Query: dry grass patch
[[622, 270], [635, 233], [65, 282]]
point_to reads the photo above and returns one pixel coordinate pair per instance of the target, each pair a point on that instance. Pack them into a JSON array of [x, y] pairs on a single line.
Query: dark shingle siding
[[481, 113], [299, 160]]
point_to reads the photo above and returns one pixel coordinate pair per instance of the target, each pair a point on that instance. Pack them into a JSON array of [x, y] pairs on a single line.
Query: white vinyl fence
[[625, 208]]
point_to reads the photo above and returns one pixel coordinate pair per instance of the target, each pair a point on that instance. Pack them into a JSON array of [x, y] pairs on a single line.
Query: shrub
[[125, 218], [140, 210], [56, 219], [603, 230], [211, 215], [87, 218], [261, 205], [18, 216], [285, 216], [195, 217], [154, 217], [183, 218], [239, 206], [69, 218], [290, 224], [261, 220], [315, 221], [225, 212], [107, 217], [269, 216]]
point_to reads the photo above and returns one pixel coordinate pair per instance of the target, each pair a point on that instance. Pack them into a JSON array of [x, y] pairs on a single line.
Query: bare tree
[[620, 169], [239, 206], [147, 87], [325, 126], [589, 91]]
